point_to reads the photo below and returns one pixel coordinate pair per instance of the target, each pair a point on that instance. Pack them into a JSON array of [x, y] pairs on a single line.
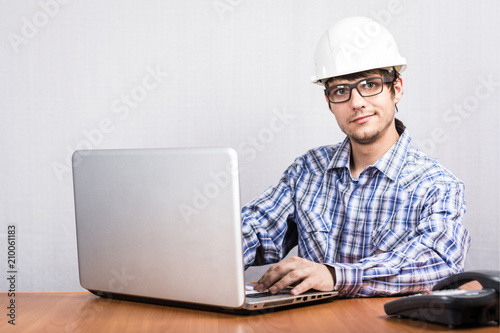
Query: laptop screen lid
[[160, 223]]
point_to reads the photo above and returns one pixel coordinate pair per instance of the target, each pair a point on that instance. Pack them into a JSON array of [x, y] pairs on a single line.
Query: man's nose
[[357, 101]]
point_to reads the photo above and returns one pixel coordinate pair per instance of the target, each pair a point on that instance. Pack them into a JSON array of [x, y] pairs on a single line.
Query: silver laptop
[[164, 226]]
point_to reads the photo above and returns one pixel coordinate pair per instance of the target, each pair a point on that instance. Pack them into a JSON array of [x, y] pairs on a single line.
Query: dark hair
[[400, 127], [360, 75]]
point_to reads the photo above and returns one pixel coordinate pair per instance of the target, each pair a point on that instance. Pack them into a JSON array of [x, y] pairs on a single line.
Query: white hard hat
[[355, 44]]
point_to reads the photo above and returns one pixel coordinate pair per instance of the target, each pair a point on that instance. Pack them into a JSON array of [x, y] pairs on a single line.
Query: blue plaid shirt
[[397, 229]]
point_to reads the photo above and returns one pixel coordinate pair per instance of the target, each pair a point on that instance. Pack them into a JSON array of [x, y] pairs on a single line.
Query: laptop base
[[204, 307]]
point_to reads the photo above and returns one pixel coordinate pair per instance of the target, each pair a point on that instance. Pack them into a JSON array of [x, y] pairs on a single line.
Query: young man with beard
[[371, 215]]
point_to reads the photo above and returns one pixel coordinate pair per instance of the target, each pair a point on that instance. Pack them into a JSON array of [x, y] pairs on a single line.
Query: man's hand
[[308, 275]]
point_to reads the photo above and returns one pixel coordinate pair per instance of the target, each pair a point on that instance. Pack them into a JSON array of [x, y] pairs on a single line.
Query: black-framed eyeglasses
[[367, 87]]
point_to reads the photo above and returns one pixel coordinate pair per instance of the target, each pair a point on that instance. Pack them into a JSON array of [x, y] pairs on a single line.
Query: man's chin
[[365, 138]]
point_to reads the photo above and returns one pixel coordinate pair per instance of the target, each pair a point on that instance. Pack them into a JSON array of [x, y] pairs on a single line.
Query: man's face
[[366, 120]]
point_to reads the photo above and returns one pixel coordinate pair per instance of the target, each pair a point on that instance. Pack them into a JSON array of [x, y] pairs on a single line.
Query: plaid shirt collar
[[390, 164]]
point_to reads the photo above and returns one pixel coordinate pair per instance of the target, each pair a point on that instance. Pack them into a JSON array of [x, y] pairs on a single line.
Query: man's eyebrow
[[346, 82], [342, 83]]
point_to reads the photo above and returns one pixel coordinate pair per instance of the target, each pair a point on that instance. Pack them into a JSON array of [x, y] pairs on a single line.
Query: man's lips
[[362, 119]]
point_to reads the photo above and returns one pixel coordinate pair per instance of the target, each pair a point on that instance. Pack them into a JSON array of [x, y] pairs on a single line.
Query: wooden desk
[[84, 312]]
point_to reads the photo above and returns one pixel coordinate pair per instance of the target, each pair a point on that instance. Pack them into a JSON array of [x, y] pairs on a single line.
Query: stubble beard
[[362, 137]]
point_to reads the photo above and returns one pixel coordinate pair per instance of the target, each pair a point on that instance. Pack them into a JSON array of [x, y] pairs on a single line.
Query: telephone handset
[[487, 279], [445, 304]]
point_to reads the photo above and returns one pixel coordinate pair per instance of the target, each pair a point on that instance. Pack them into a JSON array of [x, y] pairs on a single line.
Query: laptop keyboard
[[267, 294]]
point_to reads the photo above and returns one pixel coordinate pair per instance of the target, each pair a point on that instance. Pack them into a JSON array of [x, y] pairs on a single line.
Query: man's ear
[[398, 89]]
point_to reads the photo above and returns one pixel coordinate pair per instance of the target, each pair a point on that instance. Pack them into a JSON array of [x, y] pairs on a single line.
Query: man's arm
[[420, 257], [435, 249], [269, 231]]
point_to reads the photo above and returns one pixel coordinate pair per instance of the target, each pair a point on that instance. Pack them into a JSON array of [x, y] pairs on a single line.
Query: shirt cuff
[[348, 279]]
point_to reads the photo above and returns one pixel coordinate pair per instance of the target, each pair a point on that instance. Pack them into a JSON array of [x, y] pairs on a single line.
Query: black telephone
[[445, 304]]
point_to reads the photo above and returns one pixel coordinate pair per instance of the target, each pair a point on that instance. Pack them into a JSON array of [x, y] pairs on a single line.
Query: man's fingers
[[276, 273], [320, 278], [289, 279], [270, 278], [282, 275], [298, 272], [302, 287]]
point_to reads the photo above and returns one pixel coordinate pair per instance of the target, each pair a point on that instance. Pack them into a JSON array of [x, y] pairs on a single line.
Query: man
[[371, 215]]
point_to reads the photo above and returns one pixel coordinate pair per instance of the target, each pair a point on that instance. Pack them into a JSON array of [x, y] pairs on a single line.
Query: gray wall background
[[135, 74]]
